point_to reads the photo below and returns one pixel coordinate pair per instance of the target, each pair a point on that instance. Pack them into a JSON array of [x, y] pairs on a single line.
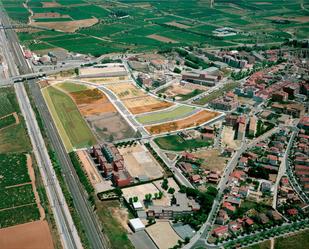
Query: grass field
[[72, 127], [126, 24], [168, 115], [297, 241], [177, 143], [13, 138]]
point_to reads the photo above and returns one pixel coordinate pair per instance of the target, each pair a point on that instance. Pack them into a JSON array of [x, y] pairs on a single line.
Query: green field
[[13, 138], [177, 143], [163, 116], [190, 95], [72, 87], [17, 199], [73, 129], [125, 24], [297, 241]]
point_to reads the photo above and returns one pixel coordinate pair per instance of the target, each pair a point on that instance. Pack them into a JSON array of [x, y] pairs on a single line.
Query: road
[[86, 214], [200, 238]]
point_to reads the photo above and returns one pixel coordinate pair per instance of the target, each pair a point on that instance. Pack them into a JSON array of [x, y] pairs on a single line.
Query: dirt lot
[[145, 104], [106, 80], [163, 234], [301, 19], [68, 26], [178, 25], [126, 90], [162, 38], [192, 121], [212, 160], [92, 102], [110, 126], [33, 235], [49, 15], [139, 161], [50, 4], [228, 137]]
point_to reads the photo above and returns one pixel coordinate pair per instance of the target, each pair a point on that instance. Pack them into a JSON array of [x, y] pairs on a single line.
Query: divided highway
[[70, 239]]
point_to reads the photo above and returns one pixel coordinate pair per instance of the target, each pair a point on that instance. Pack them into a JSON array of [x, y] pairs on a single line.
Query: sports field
[[71, 126], [189, 122], [166, 115], [101, 27]]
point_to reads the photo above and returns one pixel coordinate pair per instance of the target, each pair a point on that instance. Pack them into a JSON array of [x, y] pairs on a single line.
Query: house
[[248, 222], [234, 226], [233, 200], [195, 178], [185, 167], [292, 211], [228, 207], [262, 218], [274, 215], [222, 217], [221, 231]]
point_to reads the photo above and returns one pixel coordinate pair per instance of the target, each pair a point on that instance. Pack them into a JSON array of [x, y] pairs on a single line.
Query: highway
[[66, 227]]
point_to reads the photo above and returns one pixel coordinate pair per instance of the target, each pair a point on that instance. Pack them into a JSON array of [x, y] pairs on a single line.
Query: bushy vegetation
[[7, 121]]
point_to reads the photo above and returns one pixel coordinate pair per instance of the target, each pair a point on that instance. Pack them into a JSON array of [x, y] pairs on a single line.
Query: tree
[[164, 184], [156, 195], [159, 95], [135, 199], [187, 240], [177, 70], [160, 195], [171, 190], [76, 70]]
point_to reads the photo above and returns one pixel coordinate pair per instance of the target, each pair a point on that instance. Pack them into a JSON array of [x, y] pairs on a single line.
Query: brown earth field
[[126, 90], [110, 127], [92, 102], [178, 25], [192, 121], [33, 235], [49, 15], [68, 26], [162, 38], [50, 4], [145, 104]]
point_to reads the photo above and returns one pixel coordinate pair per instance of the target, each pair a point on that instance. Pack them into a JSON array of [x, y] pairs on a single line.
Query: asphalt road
[[87, 215]]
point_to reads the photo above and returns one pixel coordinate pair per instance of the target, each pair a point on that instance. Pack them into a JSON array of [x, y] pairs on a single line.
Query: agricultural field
[[177, 143], [18, 204], [191, 121], [71, 126], [126, 25], [13, 134], [166, 115], [145, 104]]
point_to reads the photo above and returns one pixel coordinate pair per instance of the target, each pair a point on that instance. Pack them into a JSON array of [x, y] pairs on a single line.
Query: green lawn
[[162, 116], [190, 95], [73, 129], [72, 87], [177, 143]]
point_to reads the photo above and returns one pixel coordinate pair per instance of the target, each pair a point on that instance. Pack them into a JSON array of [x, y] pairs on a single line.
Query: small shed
[[136, 225]]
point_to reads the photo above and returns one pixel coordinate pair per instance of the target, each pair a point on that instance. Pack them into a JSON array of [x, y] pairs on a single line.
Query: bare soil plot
[[126, 90], [68, 26], [301, 19], [140, 191], [192, 121], [106, 80], [33, 235], [50, 4], [178, 25], [163, 234], [212, 159], [162, 38], [49, 15], [139, 162], [92, 102], [110, 126], [228, 137], [145, 104]]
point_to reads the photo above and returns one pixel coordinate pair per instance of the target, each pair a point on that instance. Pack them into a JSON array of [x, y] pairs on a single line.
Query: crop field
[[191, 121], [166, 115], [145, 104], [17, 198], [139, 26], [73, 129], [13, 134], [126, 90]]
